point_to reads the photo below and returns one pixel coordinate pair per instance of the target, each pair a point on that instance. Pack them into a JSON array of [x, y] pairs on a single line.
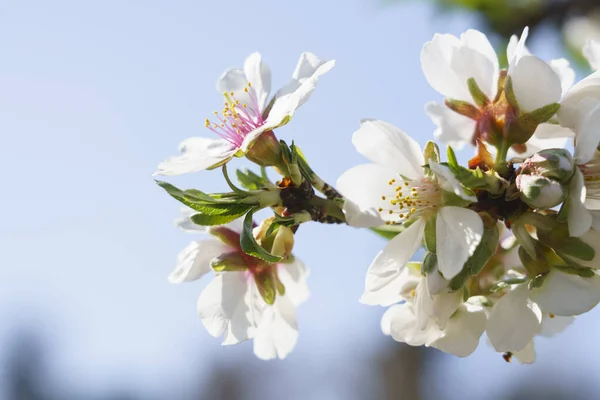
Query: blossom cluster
[[510, 242]]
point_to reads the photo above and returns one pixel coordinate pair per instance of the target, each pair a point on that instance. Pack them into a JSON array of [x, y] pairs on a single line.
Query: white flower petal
[[193, 262], [566, 294], [516, 48], [277, 333], [514, 321], [563, 69], [436, 282], [447, 181], [238, 297], [555, 324], [591, 51], [569, 113], [293, 277], [578, 217], [390, 287], [363, 186], [452, 128], [184, 222], [462, 333], [550, 131], [535, 143], [210, 307], [304, 81], [458, 232], [403, 327], [399, 251], [448, 63], [526, 355], [588, 134], [388, 146], [197, 154], [535, 84], [444, 306], [258, 74]]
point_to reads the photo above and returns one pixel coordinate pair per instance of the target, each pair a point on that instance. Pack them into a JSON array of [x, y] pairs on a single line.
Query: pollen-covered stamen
[[237, 119], [591, 177], [407, 200]]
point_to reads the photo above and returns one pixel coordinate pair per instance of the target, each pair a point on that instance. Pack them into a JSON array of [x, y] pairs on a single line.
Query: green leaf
[[484, 252], [452, 161], [249, 180], [556, 236], [249, 244], [234, 261], [583, 272], [459, 280], [219, 219], [266, 285]]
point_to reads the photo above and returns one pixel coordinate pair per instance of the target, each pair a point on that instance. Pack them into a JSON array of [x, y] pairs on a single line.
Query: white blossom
[[231, 305], [247, 113]]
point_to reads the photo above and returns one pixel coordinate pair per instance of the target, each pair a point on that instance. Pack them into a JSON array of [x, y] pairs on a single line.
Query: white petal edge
[[458, 231]]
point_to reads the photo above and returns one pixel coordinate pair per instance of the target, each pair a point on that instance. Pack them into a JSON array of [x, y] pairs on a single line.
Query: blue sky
[[94, 94]]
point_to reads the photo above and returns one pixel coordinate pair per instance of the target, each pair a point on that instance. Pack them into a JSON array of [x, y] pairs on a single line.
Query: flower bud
[[540, 192], [556, 164], [265, 151]]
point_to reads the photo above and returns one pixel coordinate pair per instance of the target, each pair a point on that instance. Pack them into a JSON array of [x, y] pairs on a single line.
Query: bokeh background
[[93, 94]]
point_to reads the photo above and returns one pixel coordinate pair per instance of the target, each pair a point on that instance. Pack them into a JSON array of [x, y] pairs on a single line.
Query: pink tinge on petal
[[237, 120]]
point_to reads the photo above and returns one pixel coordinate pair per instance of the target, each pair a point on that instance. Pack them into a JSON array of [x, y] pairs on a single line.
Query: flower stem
[[500, 163]]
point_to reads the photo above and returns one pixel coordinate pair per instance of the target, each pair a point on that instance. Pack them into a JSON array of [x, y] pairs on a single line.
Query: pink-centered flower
[[247, 113], [232, 304]]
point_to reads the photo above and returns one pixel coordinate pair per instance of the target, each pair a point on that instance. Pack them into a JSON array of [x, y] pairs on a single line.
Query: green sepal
[[249, 244], [430, 234], [431, 152], [583, 272], [477, 94], [279, 285], [429, 263], [229, 262], [266, 285], [537, 281], [539, 264]]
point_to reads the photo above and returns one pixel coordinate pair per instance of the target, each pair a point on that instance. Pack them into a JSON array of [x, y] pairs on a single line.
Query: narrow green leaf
[[249, 180], [583, 272], [452, 161], [249, 244], [484, 252], [218, 219]]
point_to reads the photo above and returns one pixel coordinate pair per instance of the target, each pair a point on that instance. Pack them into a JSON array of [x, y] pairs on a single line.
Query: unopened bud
[[556, 164], [265, 151], [276, 239], [540, 192]]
